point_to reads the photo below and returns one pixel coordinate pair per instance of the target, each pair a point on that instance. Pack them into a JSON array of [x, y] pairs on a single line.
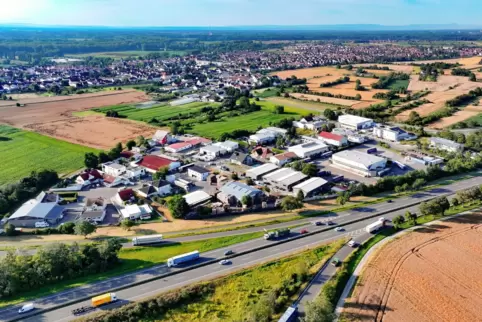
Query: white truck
[[146, 240], [176, 260], [375, 226]]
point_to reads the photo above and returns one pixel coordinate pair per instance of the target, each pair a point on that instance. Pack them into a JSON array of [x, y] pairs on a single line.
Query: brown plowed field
[[431, 274], [53, 116]]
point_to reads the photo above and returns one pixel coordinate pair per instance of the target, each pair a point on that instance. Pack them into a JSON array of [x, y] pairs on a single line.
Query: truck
[[96, 302], [275, 234], [400, 165], [375, 226], [176, 260], [146, 240], [372, 150], [290, 315], [338, 179]]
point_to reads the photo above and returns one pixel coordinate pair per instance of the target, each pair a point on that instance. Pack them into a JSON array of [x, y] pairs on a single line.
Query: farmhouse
[[197, 198], [232, 193], [446, 145], [283, 158], [354, 122], [285, 179], [311, 187], [198, 173], [152, 163], [257, 172], [359, 163], [333, 139], [306, 150], [394, 134]]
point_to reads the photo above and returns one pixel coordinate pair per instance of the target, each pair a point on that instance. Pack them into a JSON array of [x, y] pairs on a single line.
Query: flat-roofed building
[[285, 179], [354, 122], [367, 165], [446, 145], [257, 173], [197, 198], [311, 187], [306, 150]]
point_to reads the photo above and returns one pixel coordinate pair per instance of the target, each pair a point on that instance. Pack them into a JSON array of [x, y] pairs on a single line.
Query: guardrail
[[272, 244]]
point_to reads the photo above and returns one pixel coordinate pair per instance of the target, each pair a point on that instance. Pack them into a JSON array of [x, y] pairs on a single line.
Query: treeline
[[410, 106], [464, 72], [376, 67], [455, 165], [305, 90], [340, 80], [14, 194], [415, 119], [55, 263], [464, 98], [385, 81]]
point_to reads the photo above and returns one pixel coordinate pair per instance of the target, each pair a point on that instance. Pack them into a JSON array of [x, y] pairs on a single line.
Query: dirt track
[[432, 274], [53, 116]]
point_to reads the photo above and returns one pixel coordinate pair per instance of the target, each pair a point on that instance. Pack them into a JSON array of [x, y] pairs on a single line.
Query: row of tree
[[385, 81], [55, 263]]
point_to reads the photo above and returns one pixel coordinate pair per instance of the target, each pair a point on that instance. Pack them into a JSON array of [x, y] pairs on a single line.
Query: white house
[[262, 138], [134, 212], [309, 123], [94, 210], [229, 146], [212, 151], [113, 169], [89, 177], [163, 187], [198, 173], [283, 158], [147, 191], [134, 172], [394, 134]]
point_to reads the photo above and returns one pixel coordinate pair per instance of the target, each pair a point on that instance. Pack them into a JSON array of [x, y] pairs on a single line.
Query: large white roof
[[352, 119], [33, 209], [310, 184], [357, 158], [262, 169], [196, 197]]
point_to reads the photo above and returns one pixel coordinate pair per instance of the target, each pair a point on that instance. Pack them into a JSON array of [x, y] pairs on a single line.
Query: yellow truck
[[103, 299]]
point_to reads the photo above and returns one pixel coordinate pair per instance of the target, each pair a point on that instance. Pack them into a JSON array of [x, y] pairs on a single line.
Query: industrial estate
[[269, 179]]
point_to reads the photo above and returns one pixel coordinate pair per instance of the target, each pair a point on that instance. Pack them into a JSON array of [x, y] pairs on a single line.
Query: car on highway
[[389, 200], [330, 223], [317, 223], [335, 262], [352, 243], [339, 229], [26, 308], [383, 219], [228, 252], [304, 231], [225, 262]]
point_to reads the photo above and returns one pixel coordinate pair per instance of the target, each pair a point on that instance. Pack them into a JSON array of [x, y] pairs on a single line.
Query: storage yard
[[431, 274]]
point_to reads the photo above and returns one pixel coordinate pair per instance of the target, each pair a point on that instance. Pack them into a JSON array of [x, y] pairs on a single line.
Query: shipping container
[[103, 299], [146, 240], [374, 226]]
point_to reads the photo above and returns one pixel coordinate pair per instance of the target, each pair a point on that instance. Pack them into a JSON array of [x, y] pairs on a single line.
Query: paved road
[[213, 270]]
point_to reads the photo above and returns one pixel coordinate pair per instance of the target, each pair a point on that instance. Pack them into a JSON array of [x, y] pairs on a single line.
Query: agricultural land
[[430, 274], [23, 151]]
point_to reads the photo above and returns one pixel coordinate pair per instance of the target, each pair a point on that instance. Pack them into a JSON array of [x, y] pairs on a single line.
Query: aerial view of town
[[240, 161]]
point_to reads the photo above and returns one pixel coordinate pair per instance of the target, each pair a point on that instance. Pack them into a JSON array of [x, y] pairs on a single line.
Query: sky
[[240, 12]]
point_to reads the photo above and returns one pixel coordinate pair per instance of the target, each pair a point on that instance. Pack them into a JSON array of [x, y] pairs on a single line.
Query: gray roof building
[[257, 172], [239, 190]]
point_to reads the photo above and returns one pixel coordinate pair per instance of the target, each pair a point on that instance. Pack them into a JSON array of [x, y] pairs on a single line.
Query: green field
[[125, 54], [399, 83], [137, 258], [161, 112], [23, 152], [295, 106]]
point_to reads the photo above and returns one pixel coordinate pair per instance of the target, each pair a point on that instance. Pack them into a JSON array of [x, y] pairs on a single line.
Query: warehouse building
[[257, 173], [233, 193], [333, 139], [37, 210], [394, 134], [197, 198], [354, 122], [359, 163], [310, 149], [446, 145], [284, 179], [311, 187]]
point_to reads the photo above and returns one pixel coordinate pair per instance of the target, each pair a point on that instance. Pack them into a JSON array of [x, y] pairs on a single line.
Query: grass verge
[[134, 259]]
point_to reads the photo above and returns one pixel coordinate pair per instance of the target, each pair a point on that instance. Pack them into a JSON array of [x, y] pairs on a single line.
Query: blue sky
[[240, 12]]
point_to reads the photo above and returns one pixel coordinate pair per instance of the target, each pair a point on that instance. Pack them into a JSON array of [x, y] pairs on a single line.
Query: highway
[[213, 270]]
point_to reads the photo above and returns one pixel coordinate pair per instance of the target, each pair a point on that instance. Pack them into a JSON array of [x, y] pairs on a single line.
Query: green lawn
[[23, 152], [399, 83], [137, 258]]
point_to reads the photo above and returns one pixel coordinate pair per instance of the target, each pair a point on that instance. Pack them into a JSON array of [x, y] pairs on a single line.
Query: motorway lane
[[274, 252]]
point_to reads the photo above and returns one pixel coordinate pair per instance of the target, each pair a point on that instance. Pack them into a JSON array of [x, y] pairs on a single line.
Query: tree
[[319, 310], [291, 203], [280, 142], [455, 202], [278, 109], [443, 204], [103, 157], [411, 217], [419, 183], [178, 206], [234, 176], [300, 195], [127, 224], [91, 161], [84, 228], [249, 181], [10, 230], [472, 77], [330, 114], [297, 165], [67, 228], [130, 144], [340, 200], [141, 140], [398, 220], [247, 201], [161, 173], [310, 170]]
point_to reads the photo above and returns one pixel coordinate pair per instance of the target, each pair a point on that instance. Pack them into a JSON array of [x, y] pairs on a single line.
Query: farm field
[[324, 99], [414, 276], [53, 116], [292, 106], [463, 115], [23, 152], [393, 68], [125, 54]]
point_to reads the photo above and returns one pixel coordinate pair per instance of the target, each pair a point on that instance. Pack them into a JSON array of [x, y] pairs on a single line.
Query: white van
[[41, 224], [26, 308]]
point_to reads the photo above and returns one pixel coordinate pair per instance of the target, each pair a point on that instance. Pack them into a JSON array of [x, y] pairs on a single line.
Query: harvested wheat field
[[431, 274], [53, 116], [459, 116]]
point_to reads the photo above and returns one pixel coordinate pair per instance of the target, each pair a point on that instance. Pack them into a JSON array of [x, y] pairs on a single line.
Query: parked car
[[389, 200], [228, 252], [304, 231], [339, 229], [41, 224], [225, 262]]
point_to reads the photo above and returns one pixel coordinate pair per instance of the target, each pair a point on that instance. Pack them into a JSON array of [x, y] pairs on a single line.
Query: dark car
[[389, 200], [335, 262], [318, 223], [330, 223], [228, 252]]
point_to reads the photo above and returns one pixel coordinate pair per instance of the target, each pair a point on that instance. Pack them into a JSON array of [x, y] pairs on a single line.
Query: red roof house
[[333, 139]]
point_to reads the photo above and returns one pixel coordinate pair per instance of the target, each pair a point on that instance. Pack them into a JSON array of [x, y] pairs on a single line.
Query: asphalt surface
[[213, 270]]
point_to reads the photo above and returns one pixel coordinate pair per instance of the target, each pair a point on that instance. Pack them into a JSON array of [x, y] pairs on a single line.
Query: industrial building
[[283, 158], [306, 150], [44, 208], [394, 134], [197, 198], [360, 163], [257, 173], [229, 146], [232, 193], [354, 122], [333, 139], [446, 145], [311, 187], [284, 179]]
